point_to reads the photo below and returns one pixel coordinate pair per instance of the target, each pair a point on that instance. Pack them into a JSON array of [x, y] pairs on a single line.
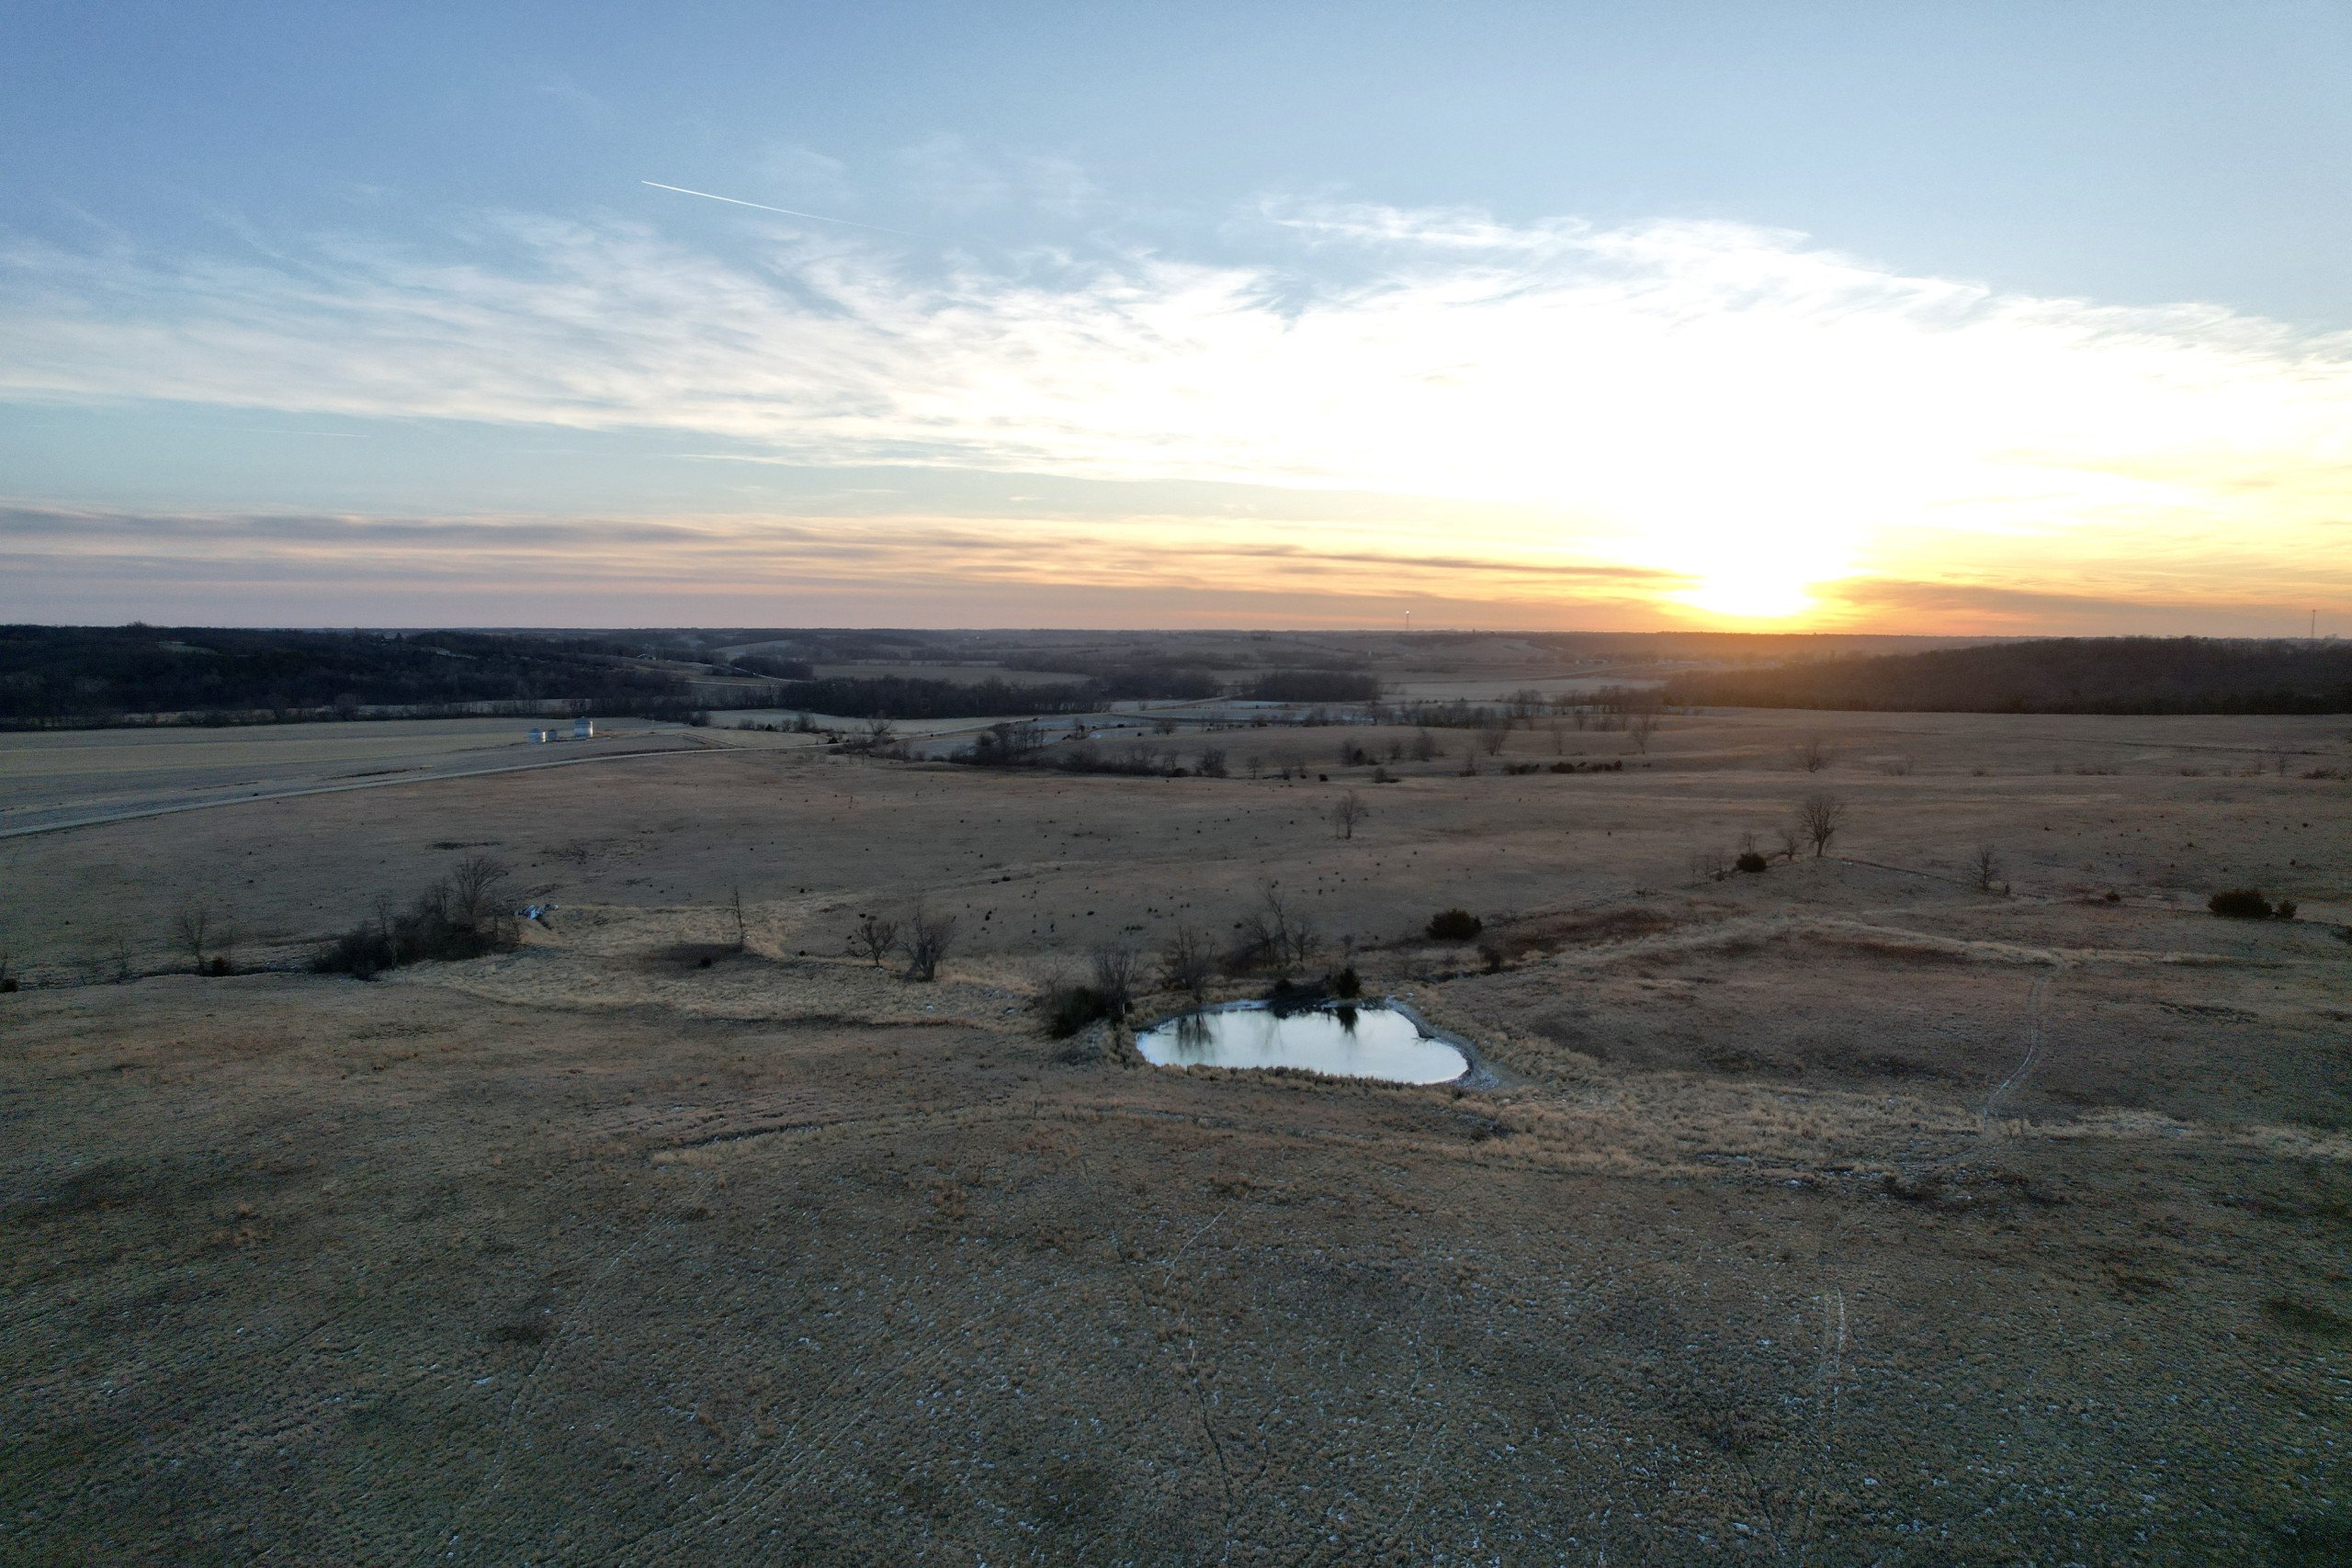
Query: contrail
[[763, 207]]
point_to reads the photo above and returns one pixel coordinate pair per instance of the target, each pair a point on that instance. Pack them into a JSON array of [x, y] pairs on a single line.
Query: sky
[[2015, 319]]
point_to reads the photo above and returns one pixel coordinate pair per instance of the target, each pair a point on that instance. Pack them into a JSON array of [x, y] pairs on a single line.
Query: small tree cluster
[[923, 938], [1273, 936], [463, 915]]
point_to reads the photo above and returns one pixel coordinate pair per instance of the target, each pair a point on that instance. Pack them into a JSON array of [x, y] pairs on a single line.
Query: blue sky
[[396, 265]]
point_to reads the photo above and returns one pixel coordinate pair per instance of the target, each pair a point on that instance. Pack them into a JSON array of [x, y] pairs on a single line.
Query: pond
[[1345, 1041]]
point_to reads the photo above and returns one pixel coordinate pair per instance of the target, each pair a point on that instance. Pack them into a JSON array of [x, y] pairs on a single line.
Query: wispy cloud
[[1732, 404]]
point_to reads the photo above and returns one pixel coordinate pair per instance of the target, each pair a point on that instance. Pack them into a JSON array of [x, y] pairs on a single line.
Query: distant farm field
[[55, 775]]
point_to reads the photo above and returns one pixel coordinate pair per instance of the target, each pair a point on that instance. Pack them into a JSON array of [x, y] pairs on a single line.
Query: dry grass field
[[1846, 1212]]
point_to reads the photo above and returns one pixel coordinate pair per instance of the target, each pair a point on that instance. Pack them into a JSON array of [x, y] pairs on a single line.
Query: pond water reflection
[[1345, 1041]]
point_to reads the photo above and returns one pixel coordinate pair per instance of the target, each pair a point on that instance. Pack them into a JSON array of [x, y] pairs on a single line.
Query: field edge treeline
[[2059, 675]]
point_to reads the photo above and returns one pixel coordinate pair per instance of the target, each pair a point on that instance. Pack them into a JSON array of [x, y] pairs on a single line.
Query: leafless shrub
[[735, 910], [874, 939], [117, 951], [1424, 746], [1710, 864], [879, 731], [7, 968], [1492, 734], [1186, 964], [1812, 753], [1212, 763], [1349, 815], [1986, 867], [192, 930], [1820, 816], [1639, 727], [1787, 842], [930, 937], [1118, 974]]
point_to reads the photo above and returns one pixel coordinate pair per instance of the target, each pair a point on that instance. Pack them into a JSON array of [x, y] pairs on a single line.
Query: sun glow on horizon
[[1711, 420]]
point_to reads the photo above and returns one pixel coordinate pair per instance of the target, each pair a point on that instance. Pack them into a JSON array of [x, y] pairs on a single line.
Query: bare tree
[[874, 938], [1118, 971], [1424, 746], [735, 909], [477, 891], [191, 930], [879, 731], [1812, 753], [1255, 765], [1640, 727], [930, 937], [1186, 964], [1559, 728], [1493, 733], [1212, 763], [1350, 814], [1986, 867], [1819, 816], [1788, 840], [1276, 935]]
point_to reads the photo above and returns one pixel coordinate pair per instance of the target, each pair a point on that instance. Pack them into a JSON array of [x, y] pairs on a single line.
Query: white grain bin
[[583, 730]]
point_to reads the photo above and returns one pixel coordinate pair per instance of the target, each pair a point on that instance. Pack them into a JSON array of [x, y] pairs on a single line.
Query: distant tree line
[[66, 675], [1314, 686], [2110, 675], [898, 696]]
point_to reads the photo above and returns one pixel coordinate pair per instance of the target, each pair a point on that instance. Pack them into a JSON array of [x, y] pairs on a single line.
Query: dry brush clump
[[2248, 904], [1454, 925]]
